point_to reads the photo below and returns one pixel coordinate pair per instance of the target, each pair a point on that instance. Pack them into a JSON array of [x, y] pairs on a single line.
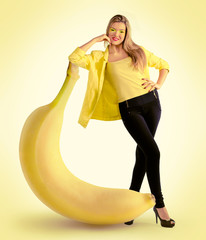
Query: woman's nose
[[117, 34]]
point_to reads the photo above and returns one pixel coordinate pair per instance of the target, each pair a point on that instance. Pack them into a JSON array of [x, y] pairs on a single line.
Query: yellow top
[[101, 101], [126, 80]]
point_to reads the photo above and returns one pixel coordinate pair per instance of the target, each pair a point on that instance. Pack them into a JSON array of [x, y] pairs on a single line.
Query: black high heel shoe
[[164, 223]]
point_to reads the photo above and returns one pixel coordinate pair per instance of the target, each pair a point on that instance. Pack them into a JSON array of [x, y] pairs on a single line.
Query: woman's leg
[[141, 122], [138, 171], [152, 119]]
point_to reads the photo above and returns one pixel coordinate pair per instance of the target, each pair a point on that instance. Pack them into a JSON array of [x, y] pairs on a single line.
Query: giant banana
[[55, 185]]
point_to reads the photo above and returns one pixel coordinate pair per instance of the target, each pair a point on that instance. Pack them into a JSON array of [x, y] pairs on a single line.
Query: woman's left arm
[[162, 76], [158, 63]]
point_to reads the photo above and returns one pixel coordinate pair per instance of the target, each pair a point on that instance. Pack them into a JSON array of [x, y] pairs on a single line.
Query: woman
[[119, 87]]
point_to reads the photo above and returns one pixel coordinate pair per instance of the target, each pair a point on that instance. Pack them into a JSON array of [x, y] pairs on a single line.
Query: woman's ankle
[[163, 213]]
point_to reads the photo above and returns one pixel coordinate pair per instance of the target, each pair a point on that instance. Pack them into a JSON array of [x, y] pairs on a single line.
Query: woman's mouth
[[115, 39]]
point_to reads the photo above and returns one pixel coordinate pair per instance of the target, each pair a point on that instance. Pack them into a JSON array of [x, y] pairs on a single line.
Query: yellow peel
[[55, 185]]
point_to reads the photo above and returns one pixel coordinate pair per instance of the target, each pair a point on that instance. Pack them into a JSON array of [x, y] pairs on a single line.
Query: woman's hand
[[162, 76], [150, 84], [102, 37]]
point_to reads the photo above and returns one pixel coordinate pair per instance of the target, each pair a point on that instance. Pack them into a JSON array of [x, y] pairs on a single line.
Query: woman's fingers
[[108, 39], [105, 37], [148, 84], [102, 37], [153, 88]]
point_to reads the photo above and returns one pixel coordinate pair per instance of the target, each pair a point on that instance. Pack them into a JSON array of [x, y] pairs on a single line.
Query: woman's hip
[[141, 103], [144, 108]]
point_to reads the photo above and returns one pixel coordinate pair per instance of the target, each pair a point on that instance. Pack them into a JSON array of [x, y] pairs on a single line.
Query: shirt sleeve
[[155, 61], [80, 58]]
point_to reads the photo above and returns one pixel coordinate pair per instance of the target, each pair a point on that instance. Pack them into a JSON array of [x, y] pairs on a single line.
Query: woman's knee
[[157, 153], [153, 153]]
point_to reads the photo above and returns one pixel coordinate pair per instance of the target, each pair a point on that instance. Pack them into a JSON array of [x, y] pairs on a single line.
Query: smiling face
[[117, 32]]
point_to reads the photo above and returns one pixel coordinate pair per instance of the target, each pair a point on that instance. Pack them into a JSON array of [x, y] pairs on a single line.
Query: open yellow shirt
[[101, 100]]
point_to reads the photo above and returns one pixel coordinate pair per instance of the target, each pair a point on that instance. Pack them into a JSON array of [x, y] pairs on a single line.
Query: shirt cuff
[[165, 68]]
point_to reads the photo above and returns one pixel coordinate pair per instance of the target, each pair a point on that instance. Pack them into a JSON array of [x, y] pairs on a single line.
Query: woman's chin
[[116, 43]]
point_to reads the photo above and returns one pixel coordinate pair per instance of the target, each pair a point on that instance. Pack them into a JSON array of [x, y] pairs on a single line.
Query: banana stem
[[67, 87]]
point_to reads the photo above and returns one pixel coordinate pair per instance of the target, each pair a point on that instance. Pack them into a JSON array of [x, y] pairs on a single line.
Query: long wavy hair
[[133, 50]]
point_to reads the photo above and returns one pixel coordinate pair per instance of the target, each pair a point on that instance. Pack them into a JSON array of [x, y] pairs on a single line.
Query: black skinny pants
[[141, 116]]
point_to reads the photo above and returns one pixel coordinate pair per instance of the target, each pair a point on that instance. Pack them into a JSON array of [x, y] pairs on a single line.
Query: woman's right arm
[[88, 45], [100, 38], [79, 56]]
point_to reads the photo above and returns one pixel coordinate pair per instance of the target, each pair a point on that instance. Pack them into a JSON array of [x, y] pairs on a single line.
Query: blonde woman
[[119, 87]]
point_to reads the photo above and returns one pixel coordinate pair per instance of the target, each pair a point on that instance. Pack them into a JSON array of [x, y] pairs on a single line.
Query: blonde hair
[[137, 54]]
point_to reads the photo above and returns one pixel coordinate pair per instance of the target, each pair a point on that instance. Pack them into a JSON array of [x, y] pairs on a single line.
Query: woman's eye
[[114, 30]]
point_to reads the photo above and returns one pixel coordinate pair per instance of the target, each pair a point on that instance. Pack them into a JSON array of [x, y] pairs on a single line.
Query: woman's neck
[[113, 49]]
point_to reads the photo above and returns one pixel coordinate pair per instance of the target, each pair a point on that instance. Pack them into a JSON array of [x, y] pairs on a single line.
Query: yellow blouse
[[126, 80], [101, 101]]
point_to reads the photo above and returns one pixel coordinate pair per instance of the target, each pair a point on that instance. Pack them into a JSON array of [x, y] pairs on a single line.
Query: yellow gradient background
[[36, 40]]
